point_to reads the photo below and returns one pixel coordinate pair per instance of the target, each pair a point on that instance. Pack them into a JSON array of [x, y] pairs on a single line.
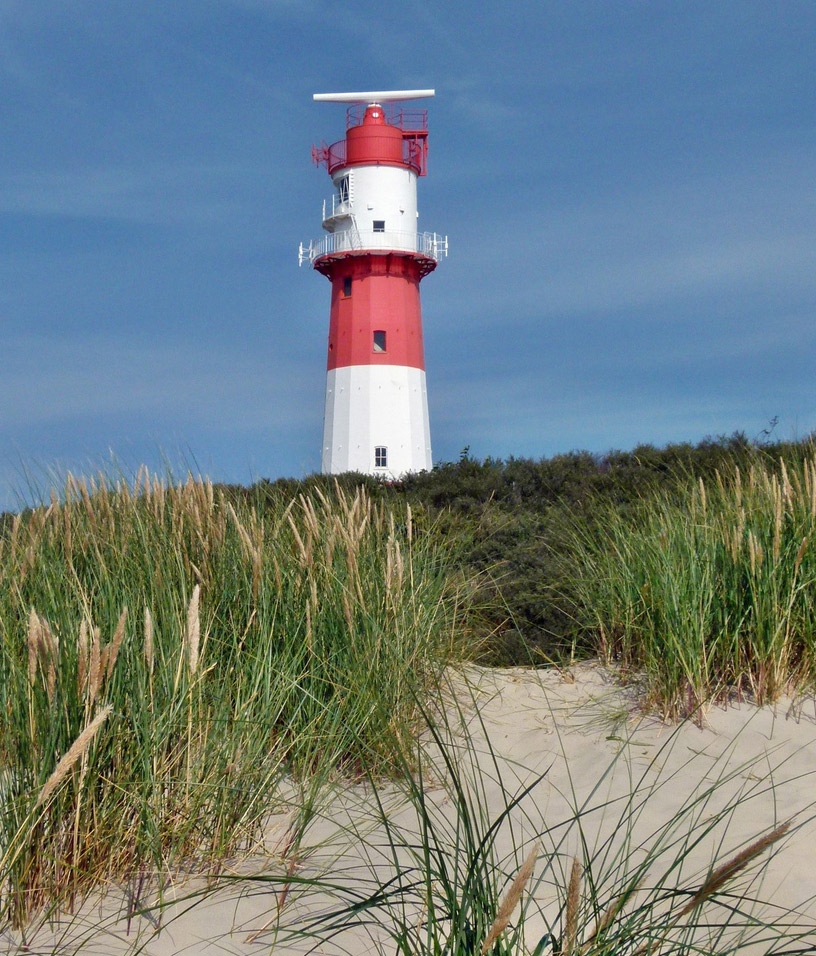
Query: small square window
[[380, 457], [379, 225], [379, 341], [347, 285]]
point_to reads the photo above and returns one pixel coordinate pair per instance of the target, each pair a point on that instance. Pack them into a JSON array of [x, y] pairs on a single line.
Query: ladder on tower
[[354, 234]]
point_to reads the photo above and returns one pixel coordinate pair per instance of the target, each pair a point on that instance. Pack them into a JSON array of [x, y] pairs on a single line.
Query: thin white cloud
[[729, 232], [155, 193], [50, 381]]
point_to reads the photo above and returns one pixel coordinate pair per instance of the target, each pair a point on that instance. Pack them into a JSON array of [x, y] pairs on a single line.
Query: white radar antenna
[[374, 96]]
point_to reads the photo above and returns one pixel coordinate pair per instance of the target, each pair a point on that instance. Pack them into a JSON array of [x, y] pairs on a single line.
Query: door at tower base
[[376, 421]]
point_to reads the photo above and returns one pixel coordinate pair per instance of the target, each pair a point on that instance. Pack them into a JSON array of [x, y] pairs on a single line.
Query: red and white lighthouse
[[376, 417]]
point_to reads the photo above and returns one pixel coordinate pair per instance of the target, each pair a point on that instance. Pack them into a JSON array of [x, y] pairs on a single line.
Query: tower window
[[379, 341], [347, 285], [343, 189], [379, 225], [380, 456]]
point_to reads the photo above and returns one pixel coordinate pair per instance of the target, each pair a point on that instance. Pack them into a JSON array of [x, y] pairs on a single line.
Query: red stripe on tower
[[376, 413]]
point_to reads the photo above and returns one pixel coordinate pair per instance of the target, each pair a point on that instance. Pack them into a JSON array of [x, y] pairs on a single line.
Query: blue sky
[[628, 188]]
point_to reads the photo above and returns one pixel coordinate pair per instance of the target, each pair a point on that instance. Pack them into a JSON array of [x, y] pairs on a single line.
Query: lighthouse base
[[376, 421]]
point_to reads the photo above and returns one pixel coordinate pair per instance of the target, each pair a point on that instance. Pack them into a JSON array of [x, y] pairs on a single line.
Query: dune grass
[[707, 590], [177, 662], [169, 656], [457, 857]]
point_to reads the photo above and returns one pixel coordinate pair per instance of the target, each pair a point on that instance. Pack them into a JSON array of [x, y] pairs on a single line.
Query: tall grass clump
[[169, 654], [706, 590], [460, 858]]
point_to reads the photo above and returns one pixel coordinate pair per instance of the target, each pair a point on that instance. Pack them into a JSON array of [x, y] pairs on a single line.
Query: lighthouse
[[376, 411]]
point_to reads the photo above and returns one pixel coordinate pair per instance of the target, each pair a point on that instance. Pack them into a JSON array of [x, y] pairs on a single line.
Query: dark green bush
[[512, 523]]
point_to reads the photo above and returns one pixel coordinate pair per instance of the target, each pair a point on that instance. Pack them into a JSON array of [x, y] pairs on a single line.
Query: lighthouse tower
[[376, 415]]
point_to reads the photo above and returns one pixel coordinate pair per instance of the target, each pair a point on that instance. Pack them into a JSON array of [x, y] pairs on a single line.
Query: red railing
[[406, 120]]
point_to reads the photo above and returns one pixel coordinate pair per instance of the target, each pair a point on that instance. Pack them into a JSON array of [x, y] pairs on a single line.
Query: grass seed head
[[193, 635], [33, 644], [725, 872], [72, 755], [510, 901], [83, 651], [95, 666], [572, 905]]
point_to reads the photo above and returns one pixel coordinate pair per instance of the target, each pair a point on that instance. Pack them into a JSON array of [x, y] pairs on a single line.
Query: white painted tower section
[[375, 194], [376, 406]]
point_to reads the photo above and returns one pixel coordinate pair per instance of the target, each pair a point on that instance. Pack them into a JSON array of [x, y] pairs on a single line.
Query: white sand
[[535, 721]]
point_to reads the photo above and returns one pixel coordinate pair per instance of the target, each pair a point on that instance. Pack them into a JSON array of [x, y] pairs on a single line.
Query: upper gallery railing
[[427, 244]]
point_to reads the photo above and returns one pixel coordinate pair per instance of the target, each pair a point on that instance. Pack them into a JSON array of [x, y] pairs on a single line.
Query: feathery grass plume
[[800, 554], [298, 539], [86, 498], [49, 642], [611, 913], [754, 552], [33, 645], [193, 633], [571, 912], [43, 648], [787, 487], [508, 905], [72, 755], [728, 870], [777, 538], [310, 516], [116, 643], [329, 544], [243, 534], [95, 665], [83, 652]]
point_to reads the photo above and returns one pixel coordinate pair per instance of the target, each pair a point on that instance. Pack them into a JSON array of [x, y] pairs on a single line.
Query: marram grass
[[459, 857], [708, 591], [169, 656]]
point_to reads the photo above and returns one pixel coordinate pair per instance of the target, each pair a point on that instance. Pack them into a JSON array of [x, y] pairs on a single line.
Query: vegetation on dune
[[707, 594], [537, 533], [168, 654], [177, 661], [460, 858]]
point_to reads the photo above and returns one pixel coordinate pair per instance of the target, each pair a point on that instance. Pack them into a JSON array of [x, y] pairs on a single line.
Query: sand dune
[[631, 773]]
